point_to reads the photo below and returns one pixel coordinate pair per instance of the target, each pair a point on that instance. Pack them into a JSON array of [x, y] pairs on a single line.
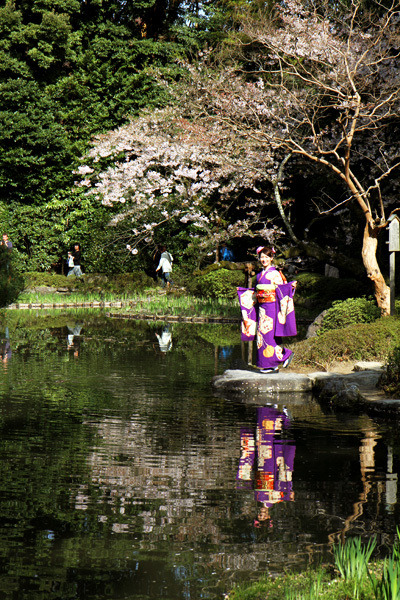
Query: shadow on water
[[123, 476]]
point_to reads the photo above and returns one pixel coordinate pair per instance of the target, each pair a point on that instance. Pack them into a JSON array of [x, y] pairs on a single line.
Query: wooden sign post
[[394, 246]]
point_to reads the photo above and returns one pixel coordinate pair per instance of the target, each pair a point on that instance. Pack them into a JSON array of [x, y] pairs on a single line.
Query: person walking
[[7, 245], [165, 266], [77, 261], [6, 242], [70, 261]]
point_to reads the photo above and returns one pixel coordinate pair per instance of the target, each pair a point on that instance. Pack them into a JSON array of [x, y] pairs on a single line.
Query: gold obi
[[266, 293]]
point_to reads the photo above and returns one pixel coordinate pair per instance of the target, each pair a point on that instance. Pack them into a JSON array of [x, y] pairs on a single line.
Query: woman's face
[[265, 260]]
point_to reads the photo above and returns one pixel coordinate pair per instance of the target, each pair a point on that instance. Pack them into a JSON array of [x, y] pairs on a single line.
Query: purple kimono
[[266, 462], [268, 314]]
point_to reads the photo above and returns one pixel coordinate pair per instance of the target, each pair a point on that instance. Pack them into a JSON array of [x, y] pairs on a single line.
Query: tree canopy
[[279, 116]]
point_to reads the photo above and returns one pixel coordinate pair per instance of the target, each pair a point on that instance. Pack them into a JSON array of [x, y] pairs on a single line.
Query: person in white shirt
[[165, 265]]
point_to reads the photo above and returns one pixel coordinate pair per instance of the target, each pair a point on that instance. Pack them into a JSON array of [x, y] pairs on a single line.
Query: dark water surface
[[119, 466]]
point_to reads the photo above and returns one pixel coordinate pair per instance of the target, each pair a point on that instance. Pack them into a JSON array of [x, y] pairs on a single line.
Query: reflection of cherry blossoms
[[163, 168]]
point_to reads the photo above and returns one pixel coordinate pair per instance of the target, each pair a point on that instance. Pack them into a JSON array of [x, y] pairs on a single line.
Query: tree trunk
[[381, 290]]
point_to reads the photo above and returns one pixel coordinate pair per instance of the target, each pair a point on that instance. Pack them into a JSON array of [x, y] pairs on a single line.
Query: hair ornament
[[262, 248]]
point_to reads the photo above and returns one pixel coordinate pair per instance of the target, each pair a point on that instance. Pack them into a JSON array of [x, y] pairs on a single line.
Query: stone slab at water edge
[[242, 381], [351, 390]]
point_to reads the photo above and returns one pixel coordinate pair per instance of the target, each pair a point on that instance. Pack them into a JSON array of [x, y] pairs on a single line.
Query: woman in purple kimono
[[268, 314]]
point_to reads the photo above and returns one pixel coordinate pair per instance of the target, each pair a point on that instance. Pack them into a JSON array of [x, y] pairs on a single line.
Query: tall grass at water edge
[[69, 297], [351, 560], [145, 303], [353, 577], [185, 306]]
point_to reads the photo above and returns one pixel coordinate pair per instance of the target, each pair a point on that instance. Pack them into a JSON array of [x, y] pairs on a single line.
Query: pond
[[124, 477]]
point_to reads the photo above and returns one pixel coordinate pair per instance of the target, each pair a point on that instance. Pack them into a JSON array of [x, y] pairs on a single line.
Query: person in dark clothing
[[226, 253], [7, 245], [77, 271], [6, 242], [156, 259]]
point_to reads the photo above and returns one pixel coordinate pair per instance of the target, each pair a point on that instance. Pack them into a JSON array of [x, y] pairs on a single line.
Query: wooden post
[[394, 246], [392, 267]]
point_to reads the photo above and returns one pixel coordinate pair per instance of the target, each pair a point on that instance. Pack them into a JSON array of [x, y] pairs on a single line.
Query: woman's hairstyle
[[268, 250]]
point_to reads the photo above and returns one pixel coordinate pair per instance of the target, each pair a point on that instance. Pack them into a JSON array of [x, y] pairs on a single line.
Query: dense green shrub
[[390, 381], [367, 341], [349, 312], [220, 283], [35, 279], [11, 282], [319, 291], [123, 283]]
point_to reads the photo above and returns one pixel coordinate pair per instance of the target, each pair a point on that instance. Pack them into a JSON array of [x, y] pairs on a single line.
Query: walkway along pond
[[120, 464]]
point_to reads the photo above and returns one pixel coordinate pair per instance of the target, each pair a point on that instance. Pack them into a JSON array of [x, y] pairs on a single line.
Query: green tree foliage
[[11, 282], [42, 234], [390, 380], [69, 69]]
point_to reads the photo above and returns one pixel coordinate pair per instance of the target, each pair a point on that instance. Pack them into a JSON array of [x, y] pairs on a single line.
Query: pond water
[[120, 472]]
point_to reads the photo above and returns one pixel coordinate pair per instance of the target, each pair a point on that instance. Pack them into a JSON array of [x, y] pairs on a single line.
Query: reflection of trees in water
[[380, 490], [186, 496], [163, 467]]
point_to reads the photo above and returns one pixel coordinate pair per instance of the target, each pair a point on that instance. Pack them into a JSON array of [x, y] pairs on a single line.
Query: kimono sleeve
[[246, 302], [285, 318]]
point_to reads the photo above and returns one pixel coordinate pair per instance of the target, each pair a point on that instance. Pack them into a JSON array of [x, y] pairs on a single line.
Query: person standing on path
[[77, 271], [70, 264], [268, 314], [165, 265], [6, 242]]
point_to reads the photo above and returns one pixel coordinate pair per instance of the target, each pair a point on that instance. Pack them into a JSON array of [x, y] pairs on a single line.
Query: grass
[[352, 560], [353, 577], [149, 302], [185, 306], [70, 297]]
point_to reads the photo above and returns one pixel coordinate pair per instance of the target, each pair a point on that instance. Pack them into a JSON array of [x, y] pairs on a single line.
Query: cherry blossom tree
[[164, 169], [323, 89]]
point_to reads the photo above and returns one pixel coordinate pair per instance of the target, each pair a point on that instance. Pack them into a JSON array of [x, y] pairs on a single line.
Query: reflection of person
[[266, 461], [165, 339], [269, 313], [165, 265], [74, 331], [5, 349]]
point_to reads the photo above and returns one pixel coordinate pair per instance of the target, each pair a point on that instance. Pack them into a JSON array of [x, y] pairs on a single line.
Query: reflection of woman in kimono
[[270, 313], [266, 462]]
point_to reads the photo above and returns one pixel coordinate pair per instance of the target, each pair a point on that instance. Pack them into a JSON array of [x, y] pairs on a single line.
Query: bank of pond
[[352, 575]]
